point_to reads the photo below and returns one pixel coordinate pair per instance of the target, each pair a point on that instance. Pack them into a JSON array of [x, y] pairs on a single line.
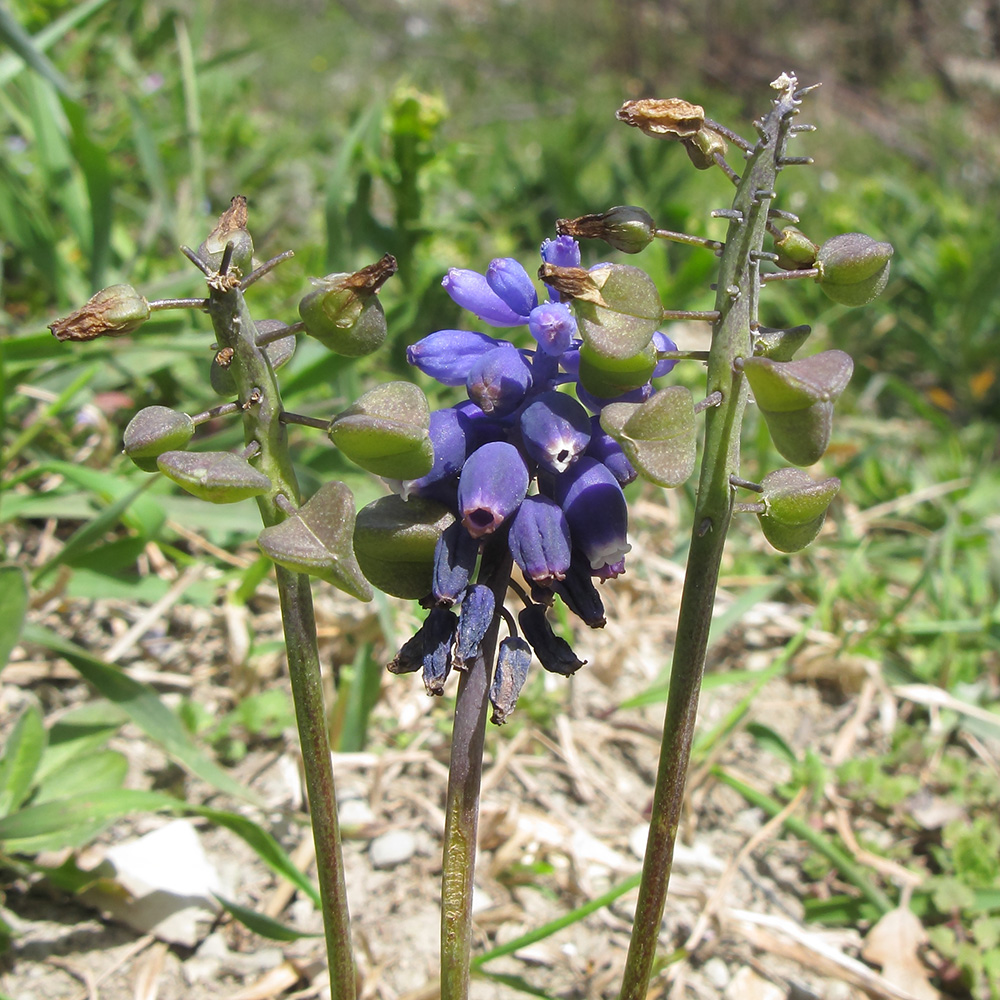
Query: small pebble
[[392, 848], [355, 813], [716, 972]]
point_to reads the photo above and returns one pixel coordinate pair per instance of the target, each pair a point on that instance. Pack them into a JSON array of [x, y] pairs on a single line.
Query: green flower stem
[[261, 404], [736, 303], [465, 774]]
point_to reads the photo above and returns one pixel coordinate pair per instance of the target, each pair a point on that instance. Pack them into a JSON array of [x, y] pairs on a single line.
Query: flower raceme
[[523, 462]]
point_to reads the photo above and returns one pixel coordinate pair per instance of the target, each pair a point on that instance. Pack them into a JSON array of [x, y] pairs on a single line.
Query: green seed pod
[[231, 228], [703, 147], [853, 268], [394, 541], [796, 400], [608, 378], [785, 386], [343, 312], [658, 437], [387, 431], [625, 227], [796, 508], [628, 315], [780, 345], [795, 250], [318, 539], [216, 476], [153, 431], [113, 312]]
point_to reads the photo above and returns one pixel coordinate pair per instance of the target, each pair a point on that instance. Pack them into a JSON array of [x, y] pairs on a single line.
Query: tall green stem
[[261, 403], [465, 774], [736, 301]]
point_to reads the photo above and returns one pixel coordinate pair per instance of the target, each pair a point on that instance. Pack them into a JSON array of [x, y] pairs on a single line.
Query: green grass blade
[[261, 924], [96, 168], [21, 756], [567, 920], [11, 64], [55, 407], [14, 601], [24, 45], [92, 531], [820, 843], [265, 847], [144, 708]]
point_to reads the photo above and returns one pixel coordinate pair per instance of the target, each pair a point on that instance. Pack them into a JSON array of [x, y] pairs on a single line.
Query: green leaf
[[145, 709], [261, 924], [84, 774], [771, 741], [265, 847], [14, 601], [71, 822], [21, 756], [79, 732]]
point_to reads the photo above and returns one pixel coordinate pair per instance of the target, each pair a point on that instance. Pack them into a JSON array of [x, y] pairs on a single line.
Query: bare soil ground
[[566, 794]]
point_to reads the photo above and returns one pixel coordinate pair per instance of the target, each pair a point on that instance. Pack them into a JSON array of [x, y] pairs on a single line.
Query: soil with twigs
[[566, 796]]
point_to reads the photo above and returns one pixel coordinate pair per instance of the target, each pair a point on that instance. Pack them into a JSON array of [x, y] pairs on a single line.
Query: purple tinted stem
[[465, 774]]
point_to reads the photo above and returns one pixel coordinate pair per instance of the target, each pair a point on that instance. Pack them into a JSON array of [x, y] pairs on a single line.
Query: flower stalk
[[257, 389], [465, 774], [736, 303]]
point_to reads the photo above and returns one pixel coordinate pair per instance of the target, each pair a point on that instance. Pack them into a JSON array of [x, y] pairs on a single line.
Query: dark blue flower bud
[[580, 594], [555, 430], [563, 251], [454, 563], [493, 483], [569, 360], [471, 291], [596, 403], [513, 660], [449, 354], [439, 634], [539, 540], [552, 324], [499, 381], [511, 282], [554, 653], [609, 453], [597, 513], [663, 343], [474, 619], [545, 372], [410, 657]]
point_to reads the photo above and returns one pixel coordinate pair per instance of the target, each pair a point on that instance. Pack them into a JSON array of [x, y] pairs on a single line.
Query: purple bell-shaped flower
[[555, 430], [493, 483], [499, 380], [552, 324], [597, 513], [539, 540]]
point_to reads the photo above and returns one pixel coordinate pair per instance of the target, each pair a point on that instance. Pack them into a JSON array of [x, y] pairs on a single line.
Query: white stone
[[392, 848], [169, 884]]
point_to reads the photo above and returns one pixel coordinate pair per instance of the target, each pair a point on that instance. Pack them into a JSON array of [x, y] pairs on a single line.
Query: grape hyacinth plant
[[515, 491]]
